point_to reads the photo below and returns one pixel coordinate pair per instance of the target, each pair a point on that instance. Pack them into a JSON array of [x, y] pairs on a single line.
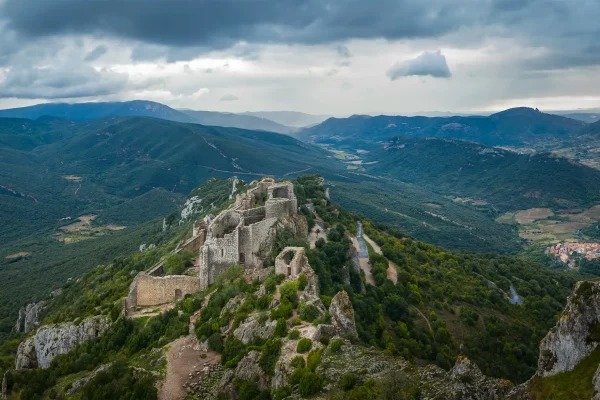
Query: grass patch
[[572, 385]]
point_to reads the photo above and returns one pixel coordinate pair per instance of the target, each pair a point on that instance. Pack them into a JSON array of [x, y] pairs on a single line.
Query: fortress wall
[[153, 291], [277, 208], [195, 243], [253, 215]]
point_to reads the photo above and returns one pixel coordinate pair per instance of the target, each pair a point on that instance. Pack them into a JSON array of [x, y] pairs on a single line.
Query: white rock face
[[576, 334], [251, 328], [29, 317], [342, 315], [49, 341]]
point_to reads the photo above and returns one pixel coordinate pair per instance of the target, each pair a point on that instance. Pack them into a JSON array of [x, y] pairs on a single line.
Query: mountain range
[[513, 127]]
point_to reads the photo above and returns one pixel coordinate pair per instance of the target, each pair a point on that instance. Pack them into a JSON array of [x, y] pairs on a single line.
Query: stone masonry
[[244, 234]]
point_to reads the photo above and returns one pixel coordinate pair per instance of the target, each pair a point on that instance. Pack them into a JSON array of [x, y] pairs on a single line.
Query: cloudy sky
[[319, 56]]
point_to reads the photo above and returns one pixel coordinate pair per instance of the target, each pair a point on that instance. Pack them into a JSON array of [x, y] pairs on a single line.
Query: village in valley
[[570, 253]]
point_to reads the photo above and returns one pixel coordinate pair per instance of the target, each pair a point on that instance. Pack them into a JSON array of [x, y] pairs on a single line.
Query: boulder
[[39, 350], [576, 334], [470, 383], [342, 315], [252, 329], [249, 370], [26, 355]]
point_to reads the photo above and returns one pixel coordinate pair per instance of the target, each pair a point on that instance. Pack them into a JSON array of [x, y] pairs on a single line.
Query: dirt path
[[185, 363], [425, 318], [392, 271]]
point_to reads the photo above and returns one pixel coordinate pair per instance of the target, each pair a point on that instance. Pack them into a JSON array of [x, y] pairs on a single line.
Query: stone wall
[[152, 291], [244, 234], [294, 266]]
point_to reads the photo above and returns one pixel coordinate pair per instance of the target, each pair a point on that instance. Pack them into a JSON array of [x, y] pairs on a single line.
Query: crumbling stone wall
[[292, 267], [151, 291], [244, 234]]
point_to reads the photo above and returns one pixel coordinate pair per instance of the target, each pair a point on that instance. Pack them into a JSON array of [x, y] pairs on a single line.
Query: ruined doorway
[[178, 294], [242, 258], [289, 271]]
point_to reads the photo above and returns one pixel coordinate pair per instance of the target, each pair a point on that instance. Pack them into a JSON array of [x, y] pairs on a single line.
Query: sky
[[334, 57]]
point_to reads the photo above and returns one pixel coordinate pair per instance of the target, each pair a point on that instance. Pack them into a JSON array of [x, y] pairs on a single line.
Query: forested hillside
[[444, 304], [506, 179], [513, 127]]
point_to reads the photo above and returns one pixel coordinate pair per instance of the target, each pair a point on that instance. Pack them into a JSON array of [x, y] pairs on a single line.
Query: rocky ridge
[[39, 350]]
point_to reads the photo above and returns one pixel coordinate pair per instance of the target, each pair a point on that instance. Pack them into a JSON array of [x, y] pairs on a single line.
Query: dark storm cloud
[[184, 29], [427, 64], [95, 54], [218, 24], [57, 82], [343, 51]]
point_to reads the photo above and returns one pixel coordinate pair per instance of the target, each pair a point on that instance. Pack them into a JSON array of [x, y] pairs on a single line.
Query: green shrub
[[326, 300], [298, 362], [233, 351], [313, 359], [324, 340], [280, 328], [285, 310], [246, 390], [294, 334], [288, 291], [336, 345], [308, 312], [203, 355], [215, 343], [302, 281], [304, 345], [281, 393], [347, 381], [174, 265], [310, 383], [269, 356], [263, 302]]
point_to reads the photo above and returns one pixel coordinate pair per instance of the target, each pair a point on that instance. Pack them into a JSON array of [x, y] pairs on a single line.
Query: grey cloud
[[183, 29], [343, 51], [218, 24], [95, 54], [427, 64], [229, 97], [60, 82]]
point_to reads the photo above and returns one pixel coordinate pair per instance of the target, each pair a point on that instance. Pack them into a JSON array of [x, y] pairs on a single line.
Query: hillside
[[244, 121], [444, 305], [145, 108], [289, 118], [506, 179], [513, 127], [90, 111]]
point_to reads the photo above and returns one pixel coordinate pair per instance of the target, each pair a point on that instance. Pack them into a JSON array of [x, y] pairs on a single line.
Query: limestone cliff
[[576, 334], [28, 318], [342, 315], [39, 350]]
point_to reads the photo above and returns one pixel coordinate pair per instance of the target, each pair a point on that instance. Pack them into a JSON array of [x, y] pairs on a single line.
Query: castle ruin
[[242, 234]]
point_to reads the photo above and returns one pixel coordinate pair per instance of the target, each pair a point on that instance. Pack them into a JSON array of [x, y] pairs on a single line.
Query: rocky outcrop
[[576, 334], [26, 354], [596, 382], [80, 383], [342, 315], [39, 350], [28, 318], [468, 382], [4, 393], [252, 329], [248, 369]]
